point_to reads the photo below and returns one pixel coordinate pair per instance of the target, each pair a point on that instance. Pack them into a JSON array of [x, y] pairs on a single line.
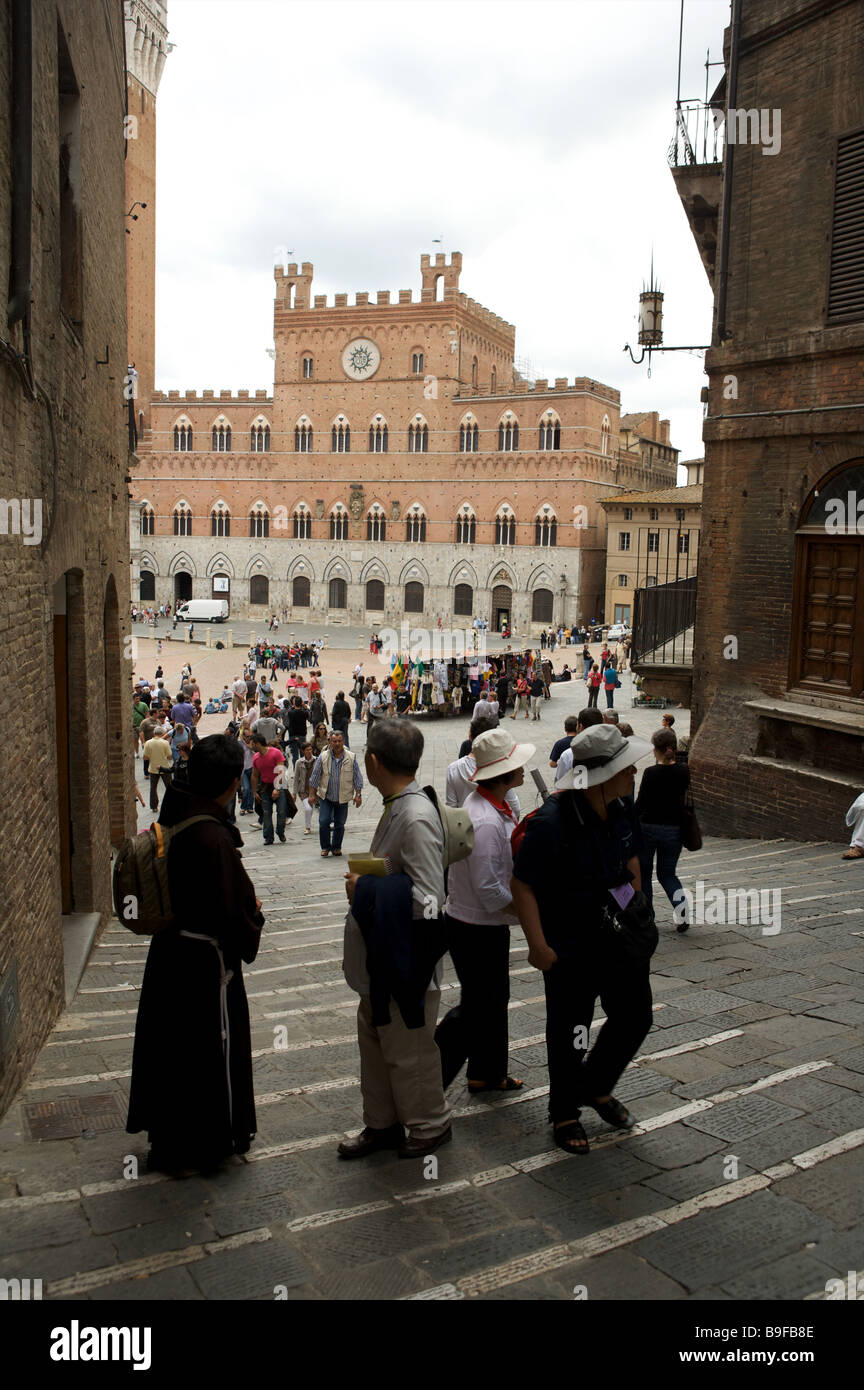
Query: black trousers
[[476, 1030], [576, 1075]]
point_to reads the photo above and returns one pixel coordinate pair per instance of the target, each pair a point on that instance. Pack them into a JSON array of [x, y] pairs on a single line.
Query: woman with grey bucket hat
[[577, 891]]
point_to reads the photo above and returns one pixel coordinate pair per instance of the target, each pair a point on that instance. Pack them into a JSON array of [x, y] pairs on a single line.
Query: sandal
[[853, 852], [613, 1112], [325, 854], [569, 1134], [336, 853], [508, 1084]]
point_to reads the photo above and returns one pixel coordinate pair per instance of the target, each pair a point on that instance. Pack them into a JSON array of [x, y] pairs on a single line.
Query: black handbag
[[691, 835], [632, 928]]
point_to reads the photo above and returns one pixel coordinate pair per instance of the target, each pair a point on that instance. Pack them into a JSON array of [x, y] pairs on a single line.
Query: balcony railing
[[663, 618], [698, 139]]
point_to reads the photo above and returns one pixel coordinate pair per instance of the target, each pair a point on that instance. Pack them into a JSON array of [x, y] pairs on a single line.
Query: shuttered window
[[846, 284]]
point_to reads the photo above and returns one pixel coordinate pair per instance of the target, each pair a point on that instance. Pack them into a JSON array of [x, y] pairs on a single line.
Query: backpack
[[518, 835], [142, 901]]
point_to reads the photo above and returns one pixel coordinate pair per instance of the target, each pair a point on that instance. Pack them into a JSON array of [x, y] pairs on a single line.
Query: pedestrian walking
[[575, 877], [659, 806], [478, 917], [610, 683], [522, 697], [265, 763], [537, 692], [341, 716], [159, 760], [337, 772], [191, 1085], [595, 680], [302, 772]]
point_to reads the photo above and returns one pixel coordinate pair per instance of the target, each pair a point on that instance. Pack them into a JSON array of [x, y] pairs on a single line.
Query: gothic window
[[221, 439], [415, 525], [416, 362], [303, 438], [605, 436], [469, 437], [337, 596], [302, 523], [259, 521], [466, 527], [259, 590], [413, 597], [220, 520], [338, 523], [148, 520], [463, 601], [508, 435], [505, 527], [418, 439], [182, 519], [340, 438], [183, 439], [375, 595], [300, 595], [378, 437], [308, 366], [260, 440], [550, 434], [376, 525], [541, 606], [545, 528]]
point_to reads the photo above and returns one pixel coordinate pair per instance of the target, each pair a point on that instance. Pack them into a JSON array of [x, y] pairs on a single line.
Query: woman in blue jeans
[[658, 806]]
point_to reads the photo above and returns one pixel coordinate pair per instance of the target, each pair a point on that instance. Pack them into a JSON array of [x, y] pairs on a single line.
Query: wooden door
[[828, 614]]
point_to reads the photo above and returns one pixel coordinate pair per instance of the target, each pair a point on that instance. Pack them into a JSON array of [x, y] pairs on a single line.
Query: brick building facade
[[778, 702], [65, 773], [400, 467]]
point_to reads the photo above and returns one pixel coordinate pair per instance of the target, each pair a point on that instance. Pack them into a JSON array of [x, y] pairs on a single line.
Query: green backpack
[[142, 901]]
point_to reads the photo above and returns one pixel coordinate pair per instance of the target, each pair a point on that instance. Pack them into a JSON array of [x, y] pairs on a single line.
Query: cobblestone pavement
[[742, 1179]]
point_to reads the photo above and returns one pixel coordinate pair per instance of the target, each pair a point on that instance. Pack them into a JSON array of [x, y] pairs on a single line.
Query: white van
[[203, 610]]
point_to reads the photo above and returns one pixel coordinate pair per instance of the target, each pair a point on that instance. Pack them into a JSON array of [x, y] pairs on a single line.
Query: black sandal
[[508, 1084], [570, 1132], [613, 1112]]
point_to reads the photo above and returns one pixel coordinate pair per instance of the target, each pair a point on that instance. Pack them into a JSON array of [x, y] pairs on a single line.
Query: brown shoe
[[418, 1148], [371, 1139]]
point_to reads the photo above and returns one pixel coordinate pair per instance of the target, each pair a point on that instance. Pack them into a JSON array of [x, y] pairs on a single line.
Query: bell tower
[[147, 48]]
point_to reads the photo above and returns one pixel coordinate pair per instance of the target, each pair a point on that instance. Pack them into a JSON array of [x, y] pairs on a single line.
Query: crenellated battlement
[[230, 397]]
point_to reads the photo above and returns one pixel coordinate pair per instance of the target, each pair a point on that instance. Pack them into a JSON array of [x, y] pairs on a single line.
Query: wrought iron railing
[[698, 137], [663, 618]]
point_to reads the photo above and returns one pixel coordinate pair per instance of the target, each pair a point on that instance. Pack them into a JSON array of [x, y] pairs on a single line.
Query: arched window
[[605, 436], [303, 437], [541, 606], [183, 437], [340, 437], [259, 590], [220, 520], [413, 597], [376, 525], [415, 524], [416, 363], [308, 366], [827, 648], [148, 520], [466, 527], [146, 586], [418, 438], [259, 521], [338, 523], [337, 596], [508, 434], [378, 441], [493, 383], [545, 528], [550, 433], [221, 439], [474, 372], [260, 439], [463, 601], [505, 527], [469, 436], [302, 524], [182, 519], [300, 592], [375, 596]]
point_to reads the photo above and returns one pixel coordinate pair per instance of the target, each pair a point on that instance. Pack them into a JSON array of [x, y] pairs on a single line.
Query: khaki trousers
[[400, 1072]]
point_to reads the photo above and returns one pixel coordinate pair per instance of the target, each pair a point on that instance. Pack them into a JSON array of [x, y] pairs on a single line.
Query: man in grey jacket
[[400, 1068]]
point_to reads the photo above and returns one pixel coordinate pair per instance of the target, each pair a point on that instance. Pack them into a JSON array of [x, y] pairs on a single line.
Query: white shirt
[[478, 888], [484, 706], [458, 786], [239, 688], [564, 764]]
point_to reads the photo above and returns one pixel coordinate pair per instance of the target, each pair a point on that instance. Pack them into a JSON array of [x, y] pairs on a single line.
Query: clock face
[[361, 359]]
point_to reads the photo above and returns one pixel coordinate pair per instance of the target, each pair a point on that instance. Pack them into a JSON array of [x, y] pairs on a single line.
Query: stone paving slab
[[795, 997]]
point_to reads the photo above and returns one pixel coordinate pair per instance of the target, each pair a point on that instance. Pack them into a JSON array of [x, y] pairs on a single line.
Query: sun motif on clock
[[360, 359]]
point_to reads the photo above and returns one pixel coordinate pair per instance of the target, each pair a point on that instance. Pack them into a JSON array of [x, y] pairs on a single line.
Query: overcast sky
[[530, 136]]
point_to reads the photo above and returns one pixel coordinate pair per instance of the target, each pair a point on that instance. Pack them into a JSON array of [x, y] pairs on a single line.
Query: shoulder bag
[[691, 835]]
